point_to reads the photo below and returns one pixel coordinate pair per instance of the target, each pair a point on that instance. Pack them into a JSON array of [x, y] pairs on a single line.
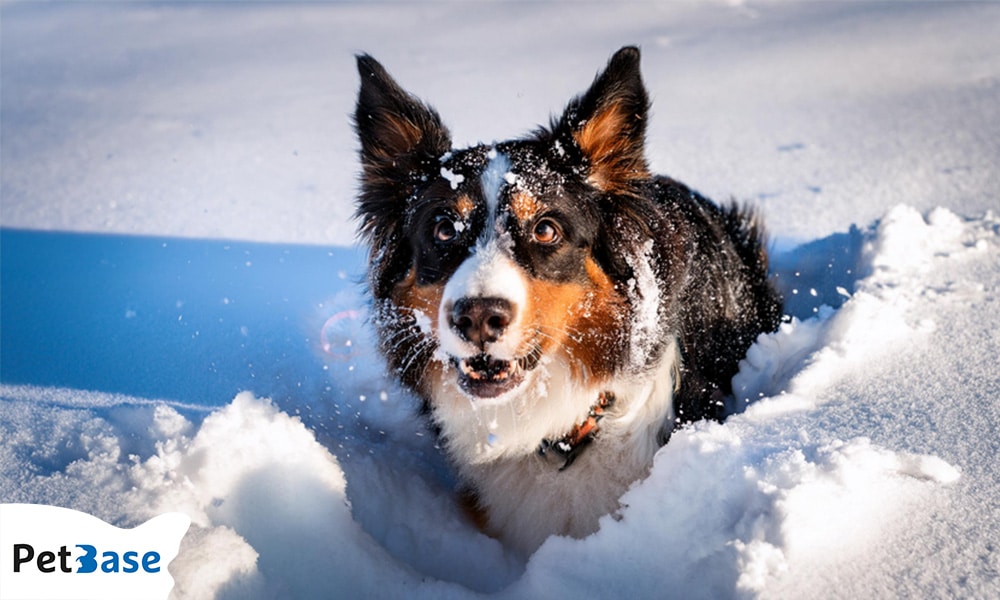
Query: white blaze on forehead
[[493, 179]]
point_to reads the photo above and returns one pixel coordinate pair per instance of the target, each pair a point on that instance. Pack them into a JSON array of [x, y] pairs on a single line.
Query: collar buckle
[[570, 446]]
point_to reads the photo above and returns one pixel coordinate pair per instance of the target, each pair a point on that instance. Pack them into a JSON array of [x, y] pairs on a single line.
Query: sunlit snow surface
[[217, 361]]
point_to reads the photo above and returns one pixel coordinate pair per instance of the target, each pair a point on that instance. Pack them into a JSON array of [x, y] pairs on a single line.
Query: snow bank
[[741, 509]]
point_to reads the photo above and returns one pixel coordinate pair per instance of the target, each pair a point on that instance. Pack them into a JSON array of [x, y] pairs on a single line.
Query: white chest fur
[[495, 445]]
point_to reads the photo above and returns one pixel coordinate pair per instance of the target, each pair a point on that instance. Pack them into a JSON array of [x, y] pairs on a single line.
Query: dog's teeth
[[490, 369]]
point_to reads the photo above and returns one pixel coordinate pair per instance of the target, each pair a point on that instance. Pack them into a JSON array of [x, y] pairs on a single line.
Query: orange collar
[[571, 445]]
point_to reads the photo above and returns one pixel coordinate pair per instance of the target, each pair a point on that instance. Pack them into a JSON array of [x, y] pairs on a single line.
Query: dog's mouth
[[485, 376]]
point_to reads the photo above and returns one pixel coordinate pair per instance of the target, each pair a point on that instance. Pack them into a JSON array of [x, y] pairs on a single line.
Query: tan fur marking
[[401, 136], [580, 320], [464, 205], [600, 342], [418, 298], [599, 277], [524, 206], [613, 160]]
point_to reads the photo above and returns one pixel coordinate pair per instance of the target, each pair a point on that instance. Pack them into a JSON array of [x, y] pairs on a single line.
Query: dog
[[559, 309]]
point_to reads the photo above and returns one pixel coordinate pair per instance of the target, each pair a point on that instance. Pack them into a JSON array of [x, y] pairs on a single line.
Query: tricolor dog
[[559, 309]]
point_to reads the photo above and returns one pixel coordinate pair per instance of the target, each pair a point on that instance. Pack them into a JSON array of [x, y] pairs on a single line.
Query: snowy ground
[[215, 359]]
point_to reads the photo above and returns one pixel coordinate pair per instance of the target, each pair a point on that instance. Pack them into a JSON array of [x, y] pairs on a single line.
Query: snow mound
[[266, 497], [732, 511], [792, 366]]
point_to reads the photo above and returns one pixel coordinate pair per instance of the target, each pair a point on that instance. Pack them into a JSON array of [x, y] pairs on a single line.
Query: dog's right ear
[[402, 140], [401, 137]]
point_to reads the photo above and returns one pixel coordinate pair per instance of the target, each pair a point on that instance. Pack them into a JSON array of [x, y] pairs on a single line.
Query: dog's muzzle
[[482, 323]]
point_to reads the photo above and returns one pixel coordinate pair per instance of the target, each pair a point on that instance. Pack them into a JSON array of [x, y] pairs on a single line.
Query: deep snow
[[136, 369]]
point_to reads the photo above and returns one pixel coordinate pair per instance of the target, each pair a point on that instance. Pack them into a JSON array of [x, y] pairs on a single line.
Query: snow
[[182, 326], [454, 179], [643, 293]]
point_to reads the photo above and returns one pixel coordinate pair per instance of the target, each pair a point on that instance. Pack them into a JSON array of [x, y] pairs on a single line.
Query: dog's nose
[[480, 321]]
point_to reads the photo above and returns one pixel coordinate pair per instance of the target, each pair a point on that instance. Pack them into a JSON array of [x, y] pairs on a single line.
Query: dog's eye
[[546, 232], [445, 230]]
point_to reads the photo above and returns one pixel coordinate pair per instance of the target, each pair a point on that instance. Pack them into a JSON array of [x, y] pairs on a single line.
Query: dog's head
[[491, 260]]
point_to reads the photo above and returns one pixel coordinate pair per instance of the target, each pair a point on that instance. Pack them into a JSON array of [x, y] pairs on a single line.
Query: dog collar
[[571, 445]]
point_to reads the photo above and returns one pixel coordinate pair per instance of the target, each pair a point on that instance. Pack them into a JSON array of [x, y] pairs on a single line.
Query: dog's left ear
[[608, 124]]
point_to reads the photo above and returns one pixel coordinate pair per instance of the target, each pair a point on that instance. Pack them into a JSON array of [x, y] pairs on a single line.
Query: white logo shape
[[61, 554]]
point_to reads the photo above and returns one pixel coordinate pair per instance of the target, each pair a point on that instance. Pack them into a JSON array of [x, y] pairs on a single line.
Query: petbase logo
[[62, 554]]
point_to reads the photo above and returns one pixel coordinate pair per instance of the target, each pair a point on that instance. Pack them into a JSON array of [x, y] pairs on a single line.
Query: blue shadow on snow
[[194, 321]]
